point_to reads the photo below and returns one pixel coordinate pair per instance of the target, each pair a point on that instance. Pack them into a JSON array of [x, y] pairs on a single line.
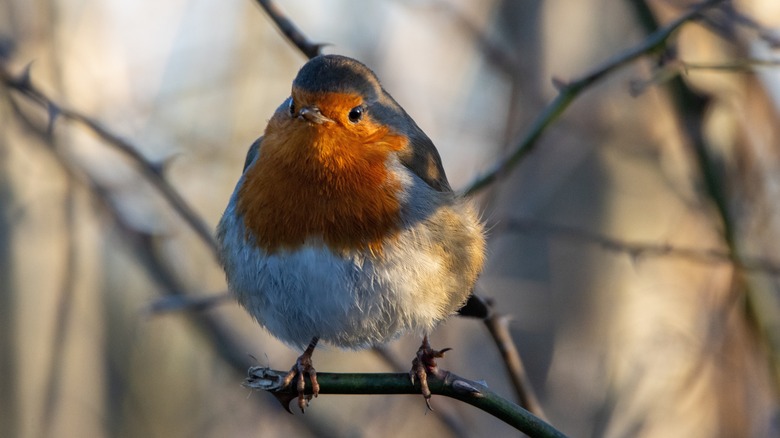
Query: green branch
[[450, 385]]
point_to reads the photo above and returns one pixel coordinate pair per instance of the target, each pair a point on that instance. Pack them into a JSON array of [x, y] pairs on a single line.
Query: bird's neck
[[308, 186]]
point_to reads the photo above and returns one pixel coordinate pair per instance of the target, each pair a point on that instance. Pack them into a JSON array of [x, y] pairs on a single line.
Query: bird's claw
[[424, 364], [303, 366]]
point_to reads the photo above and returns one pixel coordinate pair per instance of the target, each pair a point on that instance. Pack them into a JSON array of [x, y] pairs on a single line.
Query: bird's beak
[[312, 114]]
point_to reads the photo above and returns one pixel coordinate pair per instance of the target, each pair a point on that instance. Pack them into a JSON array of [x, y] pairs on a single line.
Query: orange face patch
[[327, 181]]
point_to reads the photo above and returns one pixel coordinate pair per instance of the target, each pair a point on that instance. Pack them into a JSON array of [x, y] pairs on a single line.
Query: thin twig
[[641, 249], [571, 90], [671, 69], [498, 326], [290, 30], [449, 385]]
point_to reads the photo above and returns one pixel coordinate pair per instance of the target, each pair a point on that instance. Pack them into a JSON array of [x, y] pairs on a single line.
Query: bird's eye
[[355, 114], [291, 107]]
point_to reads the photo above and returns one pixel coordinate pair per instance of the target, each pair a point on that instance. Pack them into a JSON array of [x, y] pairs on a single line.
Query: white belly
[[351, 302]]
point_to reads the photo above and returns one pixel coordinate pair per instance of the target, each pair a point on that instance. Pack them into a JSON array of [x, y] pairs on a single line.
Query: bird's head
[[336, 103]]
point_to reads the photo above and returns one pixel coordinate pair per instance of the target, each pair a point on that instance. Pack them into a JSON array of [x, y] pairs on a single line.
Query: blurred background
[[635, 249]]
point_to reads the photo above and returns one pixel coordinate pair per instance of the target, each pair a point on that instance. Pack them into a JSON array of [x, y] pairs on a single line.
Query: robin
[[343, 227]]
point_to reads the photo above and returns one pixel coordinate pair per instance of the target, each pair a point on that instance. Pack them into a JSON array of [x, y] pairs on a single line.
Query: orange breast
[[321, 182]]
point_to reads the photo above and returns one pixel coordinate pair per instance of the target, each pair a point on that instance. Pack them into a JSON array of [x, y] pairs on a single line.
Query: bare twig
[[290, 30], [571, 90], [498, 326]]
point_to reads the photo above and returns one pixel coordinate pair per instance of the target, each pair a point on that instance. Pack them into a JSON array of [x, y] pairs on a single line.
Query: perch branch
[[451, 385]]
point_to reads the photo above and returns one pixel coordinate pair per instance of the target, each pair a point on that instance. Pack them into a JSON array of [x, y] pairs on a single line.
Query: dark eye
[[291, 107], [355, 114]]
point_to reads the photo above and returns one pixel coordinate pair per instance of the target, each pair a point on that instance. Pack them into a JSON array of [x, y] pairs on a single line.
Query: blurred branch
[[737, 65], [636, 250], [290, 30], [186, 303], [151, 171], [64, 308], [568, 92], [498, 326], [723, 25], [449, 385], [671, 69]]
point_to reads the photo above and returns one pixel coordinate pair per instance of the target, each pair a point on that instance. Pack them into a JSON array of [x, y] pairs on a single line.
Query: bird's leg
[[423, 364], [302, 367]]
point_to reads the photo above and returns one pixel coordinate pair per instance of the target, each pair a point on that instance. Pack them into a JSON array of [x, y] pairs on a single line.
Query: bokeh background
[[639, 306]]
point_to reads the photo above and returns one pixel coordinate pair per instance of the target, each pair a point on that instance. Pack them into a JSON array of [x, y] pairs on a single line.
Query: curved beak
[[312, 114]]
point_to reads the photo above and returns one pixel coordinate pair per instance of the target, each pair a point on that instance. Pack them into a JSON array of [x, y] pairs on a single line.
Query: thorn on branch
[[23, 82], [466, 388], [559, 83]]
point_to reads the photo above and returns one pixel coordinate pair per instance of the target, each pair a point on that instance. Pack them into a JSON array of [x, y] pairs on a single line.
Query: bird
[[343, 227]]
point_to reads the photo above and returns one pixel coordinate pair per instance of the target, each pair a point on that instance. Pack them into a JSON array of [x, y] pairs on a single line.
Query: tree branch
[[451, 385]]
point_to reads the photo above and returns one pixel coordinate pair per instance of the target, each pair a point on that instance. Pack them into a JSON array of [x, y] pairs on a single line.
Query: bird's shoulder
[[420, 155], [252, 153]]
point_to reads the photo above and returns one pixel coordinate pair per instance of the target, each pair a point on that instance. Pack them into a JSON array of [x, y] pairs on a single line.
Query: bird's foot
[[303, 367], [424, 364]]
